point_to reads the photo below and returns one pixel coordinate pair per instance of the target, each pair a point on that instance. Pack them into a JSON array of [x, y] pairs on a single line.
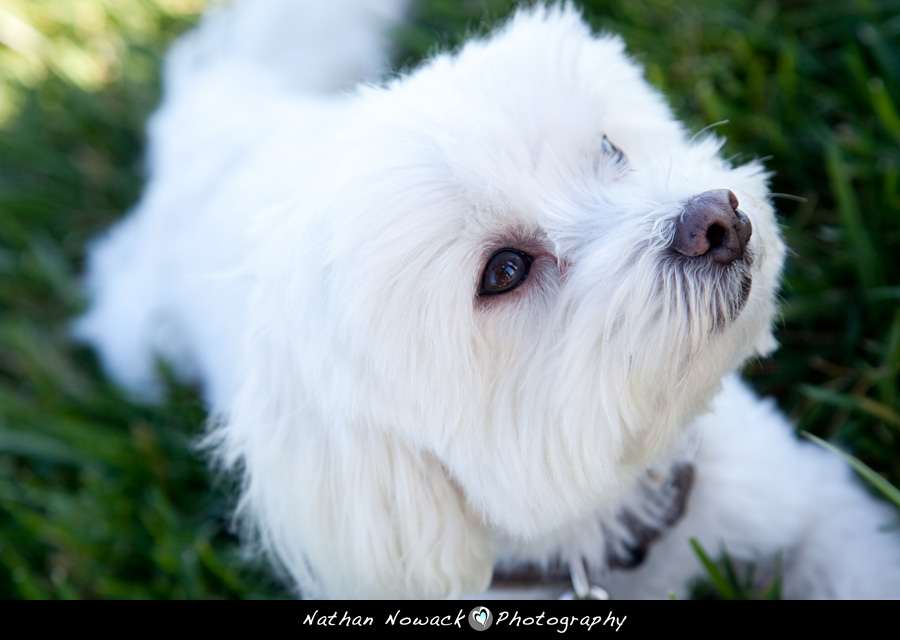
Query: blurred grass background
[[104, 498]]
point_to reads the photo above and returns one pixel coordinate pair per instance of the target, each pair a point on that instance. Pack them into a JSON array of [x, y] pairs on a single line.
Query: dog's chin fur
[[316, 260]]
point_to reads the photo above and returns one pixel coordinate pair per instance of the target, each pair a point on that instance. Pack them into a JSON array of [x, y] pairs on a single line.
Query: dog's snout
[[711, 225]]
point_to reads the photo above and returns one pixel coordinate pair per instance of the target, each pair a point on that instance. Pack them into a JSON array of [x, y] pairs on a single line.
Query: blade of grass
[[774, 592], [848, 208], [721, 583], [885, 487], [862, 404]]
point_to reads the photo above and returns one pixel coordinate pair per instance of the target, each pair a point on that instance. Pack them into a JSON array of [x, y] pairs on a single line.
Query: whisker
[[708, 127], [789, 196]]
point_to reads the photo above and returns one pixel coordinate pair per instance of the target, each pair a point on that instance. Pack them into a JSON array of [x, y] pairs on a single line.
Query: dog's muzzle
[[712, 228]]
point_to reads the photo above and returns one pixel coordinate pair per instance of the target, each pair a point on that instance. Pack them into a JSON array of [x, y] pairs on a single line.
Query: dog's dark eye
[[505, 271], [610, 149]]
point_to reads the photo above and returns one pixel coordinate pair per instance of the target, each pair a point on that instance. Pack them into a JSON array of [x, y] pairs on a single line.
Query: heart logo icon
[[480, 618]]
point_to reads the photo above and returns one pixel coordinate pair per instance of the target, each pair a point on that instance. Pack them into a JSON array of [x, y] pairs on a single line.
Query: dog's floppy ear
[[348, 508]]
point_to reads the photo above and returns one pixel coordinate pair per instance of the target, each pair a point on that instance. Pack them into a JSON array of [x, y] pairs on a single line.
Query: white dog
[[480, 320]]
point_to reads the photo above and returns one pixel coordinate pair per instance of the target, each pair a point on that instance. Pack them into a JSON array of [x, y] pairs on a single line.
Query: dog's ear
[[348, 508]]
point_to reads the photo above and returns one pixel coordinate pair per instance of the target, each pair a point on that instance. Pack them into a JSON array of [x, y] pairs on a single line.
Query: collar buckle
[[581, 588]]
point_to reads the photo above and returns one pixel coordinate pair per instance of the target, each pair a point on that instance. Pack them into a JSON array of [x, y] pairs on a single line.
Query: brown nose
[[711, 225]]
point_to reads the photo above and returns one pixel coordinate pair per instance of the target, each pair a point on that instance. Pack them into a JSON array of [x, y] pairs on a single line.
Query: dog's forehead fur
[[481, 154]]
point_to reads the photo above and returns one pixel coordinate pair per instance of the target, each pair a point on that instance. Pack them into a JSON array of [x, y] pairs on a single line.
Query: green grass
[[726, 580], [104, 498]]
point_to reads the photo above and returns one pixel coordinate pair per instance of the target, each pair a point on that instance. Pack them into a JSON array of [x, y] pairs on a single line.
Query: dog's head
[[513, 279]]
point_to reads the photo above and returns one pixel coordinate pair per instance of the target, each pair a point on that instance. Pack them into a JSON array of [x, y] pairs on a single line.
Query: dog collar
[[668, 494]]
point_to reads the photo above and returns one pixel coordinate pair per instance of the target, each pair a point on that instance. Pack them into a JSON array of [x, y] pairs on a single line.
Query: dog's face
[[520, 280]]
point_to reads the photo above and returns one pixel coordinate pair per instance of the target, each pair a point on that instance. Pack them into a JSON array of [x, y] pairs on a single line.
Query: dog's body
[[406, 421]]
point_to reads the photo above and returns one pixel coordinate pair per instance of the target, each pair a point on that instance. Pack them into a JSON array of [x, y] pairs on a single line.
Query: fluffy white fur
[[314, 258]]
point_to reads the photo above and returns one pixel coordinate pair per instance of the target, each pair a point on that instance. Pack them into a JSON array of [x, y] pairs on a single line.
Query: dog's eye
[[505, 271], [610, 149]]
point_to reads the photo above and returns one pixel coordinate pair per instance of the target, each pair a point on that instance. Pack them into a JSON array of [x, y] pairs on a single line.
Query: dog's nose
[[711, 225]]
